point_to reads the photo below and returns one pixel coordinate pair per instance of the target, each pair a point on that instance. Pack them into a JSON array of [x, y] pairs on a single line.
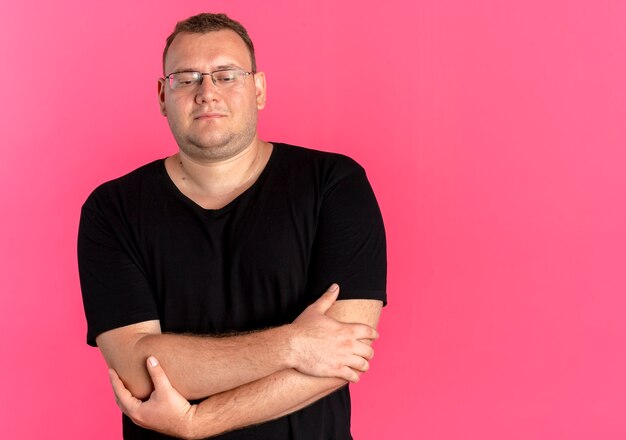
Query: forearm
[[200, 366], [279, 394], [263, 400], [268, 398]]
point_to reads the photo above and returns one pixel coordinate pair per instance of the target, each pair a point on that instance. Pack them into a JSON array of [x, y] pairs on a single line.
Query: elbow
[[134, 374], [137, 382], [140, 384], [125, 350], [139, 388]]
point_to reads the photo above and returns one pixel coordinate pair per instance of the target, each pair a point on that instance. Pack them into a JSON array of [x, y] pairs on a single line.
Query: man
[[201, 273]]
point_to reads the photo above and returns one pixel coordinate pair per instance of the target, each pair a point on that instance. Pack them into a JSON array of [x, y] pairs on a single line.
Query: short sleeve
[[114, 285], [349, 246]]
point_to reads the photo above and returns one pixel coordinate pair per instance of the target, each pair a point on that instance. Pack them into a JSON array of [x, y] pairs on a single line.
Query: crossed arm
[[279, 370]]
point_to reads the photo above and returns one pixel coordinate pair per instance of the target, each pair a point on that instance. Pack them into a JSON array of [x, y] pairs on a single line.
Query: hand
[[166, 411], [325, 347]]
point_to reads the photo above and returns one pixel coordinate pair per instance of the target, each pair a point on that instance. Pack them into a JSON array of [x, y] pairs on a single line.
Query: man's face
[[209, 123]]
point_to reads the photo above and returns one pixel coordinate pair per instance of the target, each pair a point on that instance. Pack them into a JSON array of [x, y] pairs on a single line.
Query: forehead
[[202, 51]]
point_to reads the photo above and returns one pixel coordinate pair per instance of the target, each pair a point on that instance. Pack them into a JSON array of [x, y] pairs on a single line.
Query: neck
[[215, 183]]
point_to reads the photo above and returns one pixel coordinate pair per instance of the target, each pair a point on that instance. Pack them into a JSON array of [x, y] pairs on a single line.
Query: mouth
[[208, 116]]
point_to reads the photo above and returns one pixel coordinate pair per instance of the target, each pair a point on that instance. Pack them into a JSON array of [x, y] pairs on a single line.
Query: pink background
[[492, 131]]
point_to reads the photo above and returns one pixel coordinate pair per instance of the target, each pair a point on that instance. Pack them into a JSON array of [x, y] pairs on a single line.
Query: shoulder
[[315, 157], [326, 166], [125, 188]]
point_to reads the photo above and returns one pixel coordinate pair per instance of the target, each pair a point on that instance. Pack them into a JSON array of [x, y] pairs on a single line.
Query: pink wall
[[493, 133]]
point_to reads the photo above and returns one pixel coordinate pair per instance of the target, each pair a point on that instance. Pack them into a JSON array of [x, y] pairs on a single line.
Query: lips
[[209, 115]]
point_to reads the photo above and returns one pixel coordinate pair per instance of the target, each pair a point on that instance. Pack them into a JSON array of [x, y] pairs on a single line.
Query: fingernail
[[153, 361], [334, 287]]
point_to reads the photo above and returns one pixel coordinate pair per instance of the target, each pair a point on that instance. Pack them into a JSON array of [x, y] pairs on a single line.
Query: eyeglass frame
[[167, 78]]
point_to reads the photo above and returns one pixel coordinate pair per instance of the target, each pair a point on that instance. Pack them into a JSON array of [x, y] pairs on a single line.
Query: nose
[[207, 91]]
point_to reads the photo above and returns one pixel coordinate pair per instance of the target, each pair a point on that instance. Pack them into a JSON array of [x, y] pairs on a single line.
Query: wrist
[[188, 429], [287, 347]]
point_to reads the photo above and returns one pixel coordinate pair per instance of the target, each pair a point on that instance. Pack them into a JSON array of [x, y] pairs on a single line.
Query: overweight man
[[234, 287]]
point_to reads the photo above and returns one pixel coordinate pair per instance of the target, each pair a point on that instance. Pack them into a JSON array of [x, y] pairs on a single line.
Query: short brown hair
[[205, 22]]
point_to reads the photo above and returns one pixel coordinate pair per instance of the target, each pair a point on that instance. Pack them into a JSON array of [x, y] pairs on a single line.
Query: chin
[[211, 150]]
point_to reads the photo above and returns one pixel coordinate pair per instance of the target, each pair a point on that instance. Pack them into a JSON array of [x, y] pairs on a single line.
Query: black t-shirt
[[146, 252]]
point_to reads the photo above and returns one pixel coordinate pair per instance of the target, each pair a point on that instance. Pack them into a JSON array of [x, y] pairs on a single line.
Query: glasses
[[222, 79]]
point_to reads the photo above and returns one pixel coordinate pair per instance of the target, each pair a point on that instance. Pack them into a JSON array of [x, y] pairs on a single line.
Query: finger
[[358, 363], [327, 299], [364, 350], [347, 373], [124, 399], [364, 331], [159, 379]]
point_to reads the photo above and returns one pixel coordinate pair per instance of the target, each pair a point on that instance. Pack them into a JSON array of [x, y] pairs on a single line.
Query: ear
[[260, 90], [161, 92]]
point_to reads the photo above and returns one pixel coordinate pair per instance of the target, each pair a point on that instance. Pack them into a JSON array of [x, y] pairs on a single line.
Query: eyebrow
[[217, 68], [229, 66]]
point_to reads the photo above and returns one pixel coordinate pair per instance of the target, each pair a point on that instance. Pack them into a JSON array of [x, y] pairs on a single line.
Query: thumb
[[327, 299], [159, 379]]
